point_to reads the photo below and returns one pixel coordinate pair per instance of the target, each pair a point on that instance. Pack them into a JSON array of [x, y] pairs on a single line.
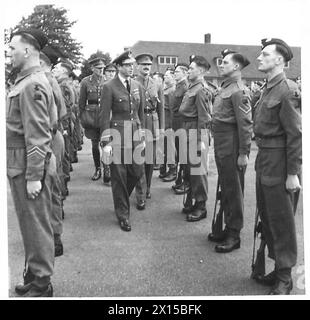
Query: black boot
[[97, 174], [172, 174], [23, 288], [188, 205], [230, 244], [182, 188], [163, 171], [36, 292], [199, 212], [178, 181]]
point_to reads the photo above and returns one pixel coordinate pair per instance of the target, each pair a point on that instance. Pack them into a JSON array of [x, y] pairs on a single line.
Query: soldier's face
[[98, 71], [168, 77], [17, 52], [145, 68], [269, 59], [126, 70], [110, 74], [194, 71], [58, 71], [179, 74], [228, 66]]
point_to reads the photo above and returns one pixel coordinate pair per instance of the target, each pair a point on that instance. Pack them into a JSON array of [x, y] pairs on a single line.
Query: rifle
[[217, 221], [258, 266]]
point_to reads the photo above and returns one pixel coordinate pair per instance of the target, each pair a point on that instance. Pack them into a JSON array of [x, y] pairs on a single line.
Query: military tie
[[127, 85]]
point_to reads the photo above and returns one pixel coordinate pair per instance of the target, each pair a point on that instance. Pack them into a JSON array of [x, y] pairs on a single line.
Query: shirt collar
[[192, 84], [122, 79], [275, 80], [27, 72], [229, 80]]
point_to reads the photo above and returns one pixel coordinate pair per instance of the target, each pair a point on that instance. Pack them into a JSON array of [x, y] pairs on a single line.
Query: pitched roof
[[211, 51]]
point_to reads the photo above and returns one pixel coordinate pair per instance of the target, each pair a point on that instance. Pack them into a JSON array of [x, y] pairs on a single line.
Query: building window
[[287, 65], [219, 61], [167, 60]]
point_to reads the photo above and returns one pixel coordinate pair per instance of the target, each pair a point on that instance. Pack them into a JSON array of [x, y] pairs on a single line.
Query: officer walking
[[196, 109], [30, 162], [277, 128], [232, 131], [121, 117], [89, 105], [153, 122]]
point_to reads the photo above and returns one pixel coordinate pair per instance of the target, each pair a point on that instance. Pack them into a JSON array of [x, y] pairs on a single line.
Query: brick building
[[169, 53]]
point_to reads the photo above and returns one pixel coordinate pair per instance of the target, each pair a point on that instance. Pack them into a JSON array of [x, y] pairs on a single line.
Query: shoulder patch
[[246, 108], [37, 93]]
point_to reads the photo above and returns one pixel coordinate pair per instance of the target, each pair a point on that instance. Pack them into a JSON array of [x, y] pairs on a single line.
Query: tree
[[55, 24], [86, 69]]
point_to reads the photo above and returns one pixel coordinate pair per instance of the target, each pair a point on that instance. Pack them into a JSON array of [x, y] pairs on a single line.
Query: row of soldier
[[55, 114]]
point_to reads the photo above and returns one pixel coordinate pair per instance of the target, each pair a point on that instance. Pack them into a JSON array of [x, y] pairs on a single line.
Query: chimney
[[208, 38]]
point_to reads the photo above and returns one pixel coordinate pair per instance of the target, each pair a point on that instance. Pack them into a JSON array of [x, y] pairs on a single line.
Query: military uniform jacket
[[180, 89], [232, 104], [120, 109], [277, 120], [154, 117], [196, 107], [68, 95], [90, 94], [29, 107], [59, 100], [168, 104]]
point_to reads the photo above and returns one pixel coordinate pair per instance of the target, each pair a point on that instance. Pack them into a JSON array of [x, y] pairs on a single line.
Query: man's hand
[[292, 183], [242, 162], [33, 188], [106, 154]]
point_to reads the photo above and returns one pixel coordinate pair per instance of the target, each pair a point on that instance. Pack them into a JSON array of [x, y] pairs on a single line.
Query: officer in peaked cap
[[122, 112], [153, 122], [232, 131], [30, 161], [277, 128], [89, 106]]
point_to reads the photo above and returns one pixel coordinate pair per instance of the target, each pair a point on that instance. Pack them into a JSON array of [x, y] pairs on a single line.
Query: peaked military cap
[[50, 54], [36, 35], [126, 55], [97, 60], [282, 47], [110, 67], [157, 73], [144, 58], [200, 61], [181, 64], [238, 57]]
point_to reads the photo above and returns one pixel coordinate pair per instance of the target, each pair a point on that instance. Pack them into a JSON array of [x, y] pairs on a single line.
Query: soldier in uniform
[[122, 110], [180, 75], [61, 71], [277, 128], [196, 109], [169, 146], [153, 122], [31, 164], [110, 71], [89, 104], [232, 131], [48, 57]]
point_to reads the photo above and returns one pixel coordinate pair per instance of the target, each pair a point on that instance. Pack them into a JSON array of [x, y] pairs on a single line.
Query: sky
[[111, 25]]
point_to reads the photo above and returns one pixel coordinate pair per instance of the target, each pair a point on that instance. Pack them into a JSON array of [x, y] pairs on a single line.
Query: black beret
[[144, 58], [50, 54], [282, 47], [110, 67], [200, 61], [184, 65], [126, 55], [226, 52], [35, 34], [67, 64]]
